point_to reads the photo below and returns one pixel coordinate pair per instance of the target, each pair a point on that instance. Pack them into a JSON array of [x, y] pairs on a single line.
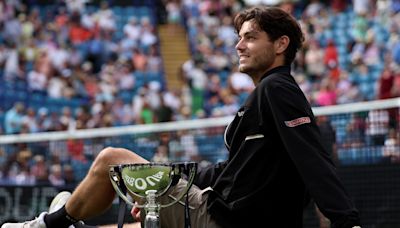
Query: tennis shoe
[[36, 223], [59, 201]]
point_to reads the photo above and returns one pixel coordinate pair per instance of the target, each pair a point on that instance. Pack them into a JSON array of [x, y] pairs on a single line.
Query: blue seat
[[143, 12], [131, 11], [117, 10]]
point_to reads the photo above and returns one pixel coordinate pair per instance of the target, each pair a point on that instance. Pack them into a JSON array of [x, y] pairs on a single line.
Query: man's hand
[[135, 212]]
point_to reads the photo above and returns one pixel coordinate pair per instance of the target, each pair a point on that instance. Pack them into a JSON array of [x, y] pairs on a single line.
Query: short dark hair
[[276, 23]]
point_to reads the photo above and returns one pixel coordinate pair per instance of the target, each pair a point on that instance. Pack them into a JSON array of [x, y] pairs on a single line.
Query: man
[[276, 158]]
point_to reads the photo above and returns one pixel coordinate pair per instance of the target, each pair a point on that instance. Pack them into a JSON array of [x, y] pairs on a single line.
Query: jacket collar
[[280, 69]]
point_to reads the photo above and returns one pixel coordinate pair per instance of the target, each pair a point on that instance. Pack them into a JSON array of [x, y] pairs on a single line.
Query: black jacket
[[276, 160]]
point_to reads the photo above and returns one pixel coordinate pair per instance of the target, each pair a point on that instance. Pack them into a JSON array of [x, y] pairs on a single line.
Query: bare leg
[[95, 193]]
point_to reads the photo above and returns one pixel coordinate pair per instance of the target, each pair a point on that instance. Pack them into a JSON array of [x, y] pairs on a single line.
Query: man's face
[[256, 51]]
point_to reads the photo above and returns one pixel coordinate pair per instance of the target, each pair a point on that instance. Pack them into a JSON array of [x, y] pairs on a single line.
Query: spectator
[[132, 29], [353, 94], [78, 35], [75, 149], [230, 103], [24, 177], [39, 170], [226, 33], [67, 120], [213, 86], [126, 79], [371, 55], [122, 113], [12, 29], [163, 113], [313, 8], [240, 82], [173, 12], [198, 78], [105, 18], [218, 61], [377, 127], [355, 132], [146, 115], [153, 94], [161, 154], [147, 38], [327, 93], [331, 60], [314, 61], [385, 84], [69, 176], [172, 99], [154, 61], [29, 121], [56, 124], [43, 120], [339, 5], [29, 52], [359, 28], [11, 63], [56, 87], [13, 119], [391, 148], [139, 60], [37, 81], [189, 146], [362, 7], [76, 5], [55, 176]]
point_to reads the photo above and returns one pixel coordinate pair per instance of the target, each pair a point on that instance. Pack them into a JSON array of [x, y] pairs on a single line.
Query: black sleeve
[[206, 176], [302, 141]]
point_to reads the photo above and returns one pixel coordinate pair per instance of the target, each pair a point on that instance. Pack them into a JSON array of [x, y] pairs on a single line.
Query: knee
[[107, 156], [114, 156]]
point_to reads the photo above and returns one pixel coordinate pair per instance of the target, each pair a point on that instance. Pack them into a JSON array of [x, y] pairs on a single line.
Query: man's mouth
[[243, 57]]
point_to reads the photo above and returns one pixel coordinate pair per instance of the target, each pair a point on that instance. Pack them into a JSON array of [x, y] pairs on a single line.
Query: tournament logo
[[146, 178], [298, 121]]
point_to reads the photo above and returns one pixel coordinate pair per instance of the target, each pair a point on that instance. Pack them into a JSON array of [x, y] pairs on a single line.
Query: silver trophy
[[144, 183]]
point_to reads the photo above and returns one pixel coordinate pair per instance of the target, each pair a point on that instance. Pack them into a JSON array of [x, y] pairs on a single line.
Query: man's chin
[[242, 69]]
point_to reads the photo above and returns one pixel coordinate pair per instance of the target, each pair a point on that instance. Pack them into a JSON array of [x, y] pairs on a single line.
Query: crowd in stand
[[96, 57], [75, 53]]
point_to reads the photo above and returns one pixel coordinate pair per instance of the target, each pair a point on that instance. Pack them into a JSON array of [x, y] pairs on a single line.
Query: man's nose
[[239, 45]]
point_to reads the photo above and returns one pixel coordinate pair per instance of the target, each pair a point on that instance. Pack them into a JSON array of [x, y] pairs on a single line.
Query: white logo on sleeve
[[298, 121], [240, 114]]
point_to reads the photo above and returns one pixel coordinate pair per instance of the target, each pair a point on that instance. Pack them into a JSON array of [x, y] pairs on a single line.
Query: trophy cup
[[145, 182]]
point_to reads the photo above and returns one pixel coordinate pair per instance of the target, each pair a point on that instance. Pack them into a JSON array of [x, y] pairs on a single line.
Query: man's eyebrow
[[251, 32]]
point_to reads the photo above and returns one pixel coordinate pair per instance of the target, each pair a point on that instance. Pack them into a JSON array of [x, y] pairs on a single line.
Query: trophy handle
[[190, 169], [118, 184]]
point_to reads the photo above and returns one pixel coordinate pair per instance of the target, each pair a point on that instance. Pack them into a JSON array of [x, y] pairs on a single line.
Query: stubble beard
[[249, 69]]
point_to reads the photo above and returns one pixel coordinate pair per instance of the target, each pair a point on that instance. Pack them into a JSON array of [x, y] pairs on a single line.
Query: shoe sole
[[59, 201]]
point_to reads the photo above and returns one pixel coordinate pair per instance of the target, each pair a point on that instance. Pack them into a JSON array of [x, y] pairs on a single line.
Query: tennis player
[[276, 158]]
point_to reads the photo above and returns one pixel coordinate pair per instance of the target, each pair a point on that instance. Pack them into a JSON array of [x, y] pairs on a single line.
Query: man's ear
[[281, 44]]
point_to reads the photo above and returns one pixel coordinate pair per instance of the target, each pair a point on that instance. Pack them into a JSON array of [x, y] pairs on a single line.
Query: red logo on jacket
[[298, 121]]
